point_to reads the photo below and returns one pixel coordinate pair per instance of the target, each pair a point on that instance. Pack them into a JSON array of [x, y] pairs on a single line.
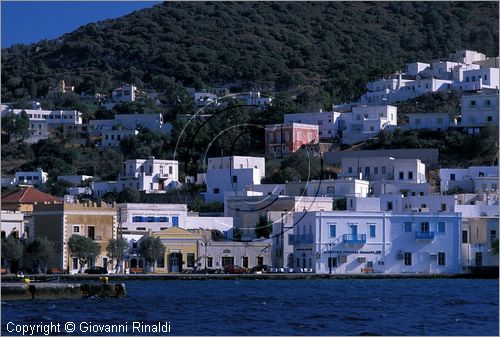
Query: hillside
[[336, 46]]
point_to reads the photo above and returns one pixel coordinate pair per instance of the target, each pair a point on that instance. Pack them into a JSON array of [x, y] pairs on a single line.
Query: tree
[[264, 227], [16, 125], [84, 249], [40, 251], [117, 248], [151, 248], [12, 250], [217, 235], [128, 195]]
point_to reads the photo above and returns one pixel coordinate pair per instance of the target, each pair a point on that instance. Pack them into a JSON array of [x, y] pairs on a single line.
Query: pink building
[[288, 138]]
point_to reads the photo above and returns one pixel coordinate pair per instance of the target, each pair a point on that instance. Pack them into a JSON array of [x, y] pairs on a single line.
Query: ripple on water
[[342, 307]]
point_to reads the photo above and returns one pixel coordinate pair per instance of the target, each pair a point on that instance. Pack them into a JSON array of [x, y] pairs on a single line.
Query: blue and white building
[[379, 242]]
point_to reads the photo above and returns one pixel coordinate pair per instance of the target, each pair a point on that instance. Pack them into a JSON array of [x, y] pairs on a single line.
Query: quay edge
[[44, 290]]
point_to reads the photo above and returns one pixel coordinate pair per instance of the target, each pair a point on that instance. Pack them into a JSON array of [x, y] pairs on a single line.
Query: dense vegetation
[[331, 49]]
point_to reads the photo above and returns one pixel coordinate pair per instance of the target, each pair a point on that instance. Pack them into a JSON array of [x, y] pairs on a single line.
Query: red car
[[235, 269]]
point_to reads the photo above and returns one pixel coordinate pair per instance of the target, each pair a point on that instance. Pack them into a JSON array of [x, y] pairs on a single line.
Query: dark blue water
[[299, 307]]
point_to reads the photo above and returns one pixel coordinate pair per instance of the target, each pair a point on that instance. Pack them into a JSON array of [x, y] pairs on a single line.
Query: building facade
[[377, 242]]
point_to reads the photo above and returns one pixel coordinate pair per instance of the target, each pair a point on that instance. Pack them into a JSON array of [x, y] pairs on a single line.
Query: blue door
[[354, 230], [175, 221]]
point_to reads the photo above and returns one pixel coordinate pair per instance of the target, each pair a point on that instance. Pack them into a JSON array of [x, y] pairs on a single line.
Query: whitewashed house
[[150, 175], [472, 179], [384, 168], [437, 121], [326, 121], [37, 177], [479, 110], [365, 122], [343, 242], [112, 138], [124, 93], [232, 174], [75, 180]]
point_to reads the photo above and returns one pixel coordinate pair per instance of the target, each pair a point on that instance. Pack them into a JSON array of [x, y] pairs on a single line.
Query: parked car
[[263, 268], [235, 269], [96, 270]]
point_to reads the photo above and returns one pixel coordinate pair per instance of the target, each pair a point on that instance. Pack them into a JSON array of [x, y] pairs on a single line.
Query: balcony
[[354, 239], [424, 236], [303, 239]]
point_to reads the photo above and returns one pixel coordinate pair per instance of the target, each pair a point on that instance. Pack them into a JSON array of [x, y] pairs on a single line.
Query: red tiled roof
[[28, 194]]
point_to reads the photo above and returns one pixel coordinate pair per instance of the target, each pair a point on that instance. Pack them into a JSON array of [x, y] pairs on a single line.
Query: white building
[[437, 121], [246, 210], [479, 110], [41, 121], [326, 121], [478, 79], [467, 56], [337, 188], [478, 234], [365, 122], [112, 138], [12, 223], [232, 174], [150, 175], [125, 93], [37, 177], [255, 98], [379, 242], [138, 218], [100, 188], [473, 179], [384, 168], [202, 99], [75, 180], [416, 68]]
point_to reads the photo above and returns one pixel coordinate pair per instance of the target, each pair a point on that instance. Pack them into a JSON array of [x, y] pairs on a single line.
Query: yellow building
[[58, 222], [181, 250]]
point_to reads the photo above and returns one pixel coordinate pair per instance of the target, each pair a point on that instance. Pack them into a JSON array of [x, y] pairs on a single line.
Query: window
[[389, 206], [401, 175], [424, 227], [244, 262], [372, 231], [367, 171], [407, 227], [170, 170], [190, 260], [383, 170], [260, 260], [76, 229], [486, 78], [210, 262], [410, 175], [407, 259], [332, 262], [91, 232], [369, 264], [235, 179], [472, 103], [74, 263], [137, 219], [441, 258], [443, 207], [141, 228], [493, 235], [330, 190], [349, 170], [375, 170], [216, 191], [452, 176], [175, 221], [490, 119], [333, 231]]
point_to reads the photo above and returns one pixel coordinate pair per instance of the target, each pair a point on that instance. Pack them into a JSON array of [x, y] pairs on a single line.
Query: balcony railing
[[304, 238], [354, 239], [424, 235]]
